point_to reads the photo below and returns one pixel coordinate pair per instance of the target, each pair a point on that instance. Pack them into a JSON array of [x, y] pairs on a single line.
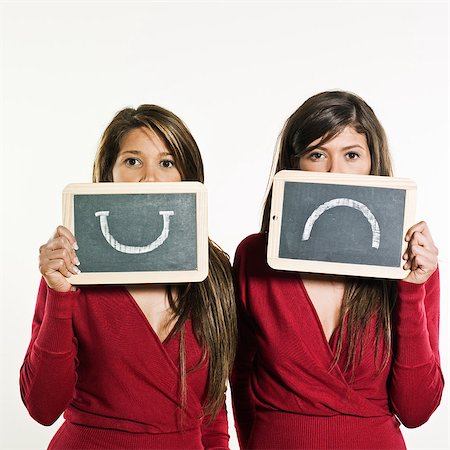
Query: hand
[[58, 260], [420, 255]]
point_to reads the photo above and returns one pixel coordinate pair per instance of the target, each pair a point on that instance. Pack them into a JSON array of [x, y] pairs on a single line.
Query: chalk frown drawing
[[351, 204]]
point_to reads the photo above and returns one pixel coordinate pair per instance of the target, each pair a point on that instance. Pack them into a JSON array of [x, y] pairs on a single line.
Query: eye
[[352, 155], [133, 162], [316, 156], [167, 163]]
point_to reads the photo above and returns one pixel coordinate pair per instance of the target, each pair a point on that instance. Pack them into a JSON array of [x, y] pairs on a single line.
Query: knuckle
[[61, 241]]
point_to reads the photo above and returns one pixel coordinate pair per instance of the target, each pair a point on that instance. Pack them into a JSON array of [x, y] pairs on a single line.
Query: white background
[[233, 72]]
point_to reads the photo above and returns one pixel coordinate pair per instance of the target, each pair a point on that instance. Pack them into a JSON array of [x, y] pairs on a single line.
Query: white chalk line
[[351, 204], [131, 249]]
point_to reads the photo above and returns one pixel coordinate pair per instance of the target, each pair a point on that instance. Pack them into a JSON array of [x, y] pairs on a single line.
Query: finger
[[422, 264], [55, 265], [416, 241], [420, 255], [420, 227], [416, 249], [67, 257], [420, 240], [59, 243], [65, 232]]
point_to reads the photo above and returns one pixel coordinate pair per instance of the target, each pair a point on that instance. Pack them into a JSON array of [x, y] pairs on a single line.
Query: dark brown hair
[[323, 116], [210, 304]]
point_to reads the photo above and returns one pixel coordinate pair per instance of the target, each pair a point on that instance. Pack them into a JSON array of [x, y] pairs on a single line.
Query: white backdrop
[[233, 72]]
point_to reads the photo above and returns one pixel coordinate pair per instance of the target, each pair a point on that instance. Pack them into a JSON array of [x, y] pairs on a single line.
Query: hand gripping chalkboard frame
[[303, 187], [198, 197]]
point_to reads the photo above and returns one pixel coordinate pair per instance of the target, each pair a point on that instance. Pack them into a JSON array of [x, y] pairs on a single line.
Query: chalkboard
[[138, 232], [339, 223]]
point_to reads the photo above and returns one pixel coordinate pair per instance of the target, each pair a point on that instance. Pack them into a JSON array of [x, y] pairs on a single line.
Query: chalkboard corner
[[274, 262]]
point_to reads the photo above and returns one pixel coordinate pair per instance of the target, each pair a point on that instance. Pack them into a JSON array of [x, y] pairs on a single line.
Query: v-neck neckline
[[163, 342], [325, 362], [329, 343]]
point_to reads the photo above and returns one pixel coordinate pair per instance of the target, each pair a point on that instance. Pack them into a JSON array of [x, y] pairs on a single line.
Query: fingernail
[[77, 270], [75, 246], [76, 261]]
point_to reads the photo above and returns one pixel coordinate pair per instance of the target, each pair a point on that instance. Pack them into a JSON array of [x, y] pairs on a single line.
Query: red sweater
[[284, 394], [94, 356]]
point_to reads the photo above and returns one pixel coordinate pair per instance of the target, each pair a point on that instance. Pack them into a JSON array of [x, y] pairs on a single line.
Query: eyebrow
[[139, 152], [348, 147]]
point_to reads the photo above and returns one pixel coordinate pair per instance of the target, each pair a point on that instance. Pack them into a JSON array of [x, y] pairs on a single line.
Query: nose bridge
[[333, 164], [149, 173]]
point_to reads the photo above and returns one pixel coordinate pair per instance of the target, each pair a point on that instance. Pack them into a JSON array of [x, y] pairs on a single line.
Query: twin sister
[[314, 361]]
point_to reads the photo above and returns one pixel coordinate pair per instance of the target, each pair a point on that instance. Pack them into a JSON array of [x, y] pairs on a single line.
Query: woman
[[142, 366], [331, 362]]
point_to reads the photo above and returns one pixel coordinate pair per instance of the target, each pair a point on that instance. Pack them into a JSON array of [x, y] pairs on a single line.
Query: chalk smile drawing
[[130, 248], [351, 204]]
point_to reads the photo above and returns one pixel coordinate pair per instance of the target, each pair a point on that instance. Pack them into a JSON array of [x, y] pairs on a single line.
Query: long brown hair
[[210, 303], [323, 116]]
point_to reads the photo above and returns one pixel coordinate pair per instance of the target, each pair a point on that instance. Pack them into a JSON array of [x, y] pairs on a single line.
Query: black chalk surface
[[136, 221]]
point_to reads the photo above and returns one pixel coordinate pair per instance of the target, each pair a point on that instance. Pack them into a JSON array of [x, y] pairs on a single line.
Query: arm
[[416, 381], [47, 376], [243, 405], [215, 433]]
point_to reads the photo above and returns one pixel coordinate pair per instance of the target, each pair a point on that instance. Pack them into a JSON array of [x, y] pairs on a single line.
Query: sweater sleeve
[[243, 404], [215, 434], [48, 376], [416, 380]]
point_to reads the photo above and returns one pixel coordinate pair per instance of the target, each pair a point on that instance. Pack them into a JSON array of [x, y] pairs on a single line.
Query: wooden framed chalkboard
[[341, 224], [138, 232]]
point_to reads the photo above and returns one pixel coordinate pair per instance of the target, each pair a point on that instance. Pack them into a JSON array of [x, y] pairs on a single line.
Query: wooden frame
[[338, 268], [197, 188]]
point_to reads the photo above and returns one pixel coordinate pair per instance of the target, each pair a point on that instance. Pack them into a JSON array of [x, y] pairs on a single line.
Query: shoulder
[[254, 243], [251, 254]]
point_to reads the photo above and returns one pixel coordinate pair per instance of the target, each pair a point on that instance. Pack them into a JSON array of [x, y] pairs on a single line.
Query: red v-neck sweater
[[285, 396], [94, 356]]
